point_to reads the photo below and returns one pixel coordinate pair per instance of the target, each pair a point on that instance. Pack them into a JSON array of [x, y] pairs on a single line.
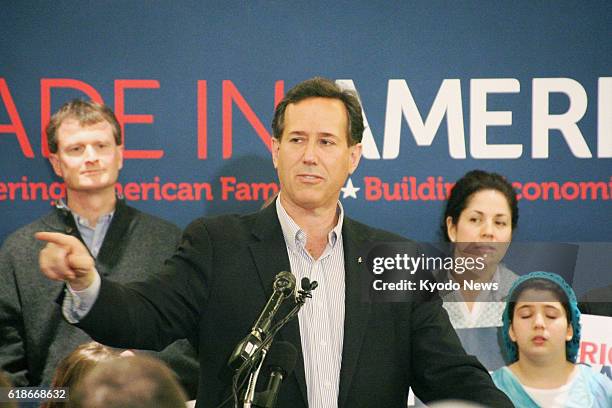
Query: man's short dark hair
[[137, 382], [87, 113], [322, 88]]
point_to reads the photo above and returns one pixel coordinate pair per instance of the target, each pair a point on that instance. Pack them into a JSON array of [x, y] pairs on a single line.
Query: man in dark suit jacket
[[214, 286]]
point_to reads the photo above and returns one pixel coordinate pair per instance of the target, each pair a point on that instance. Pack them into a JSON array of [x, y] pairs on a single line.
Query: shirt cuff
[[77, 303]]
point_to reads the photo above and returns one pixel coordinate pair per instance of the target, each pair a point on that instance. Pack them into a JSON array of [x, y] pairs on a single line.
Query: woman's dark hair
[[471, 183], [542, 285]]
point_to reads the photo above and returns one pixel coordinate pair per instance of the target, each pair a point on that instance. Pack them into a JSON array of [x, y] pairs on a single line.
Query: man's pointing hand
[[65, 258]]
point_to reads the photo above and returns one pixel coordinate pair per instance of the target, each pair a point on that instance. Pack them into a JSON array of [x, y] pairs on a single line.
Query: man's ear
[[120, 151], [55, 163], [355, 157], [275, 149]]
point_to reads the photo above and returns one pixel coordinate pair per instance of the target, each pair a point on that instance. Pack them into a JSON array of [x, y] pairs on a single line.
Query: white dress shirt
[[322, 317]]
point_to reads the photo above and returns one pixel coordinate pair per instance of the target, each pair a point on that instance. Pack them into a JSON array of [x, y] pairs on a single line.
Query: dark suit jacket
[[215, 285]]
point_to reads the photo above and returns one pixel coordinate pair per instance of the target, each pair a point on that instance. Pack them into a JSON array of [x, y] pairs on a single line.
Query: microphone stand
[[250, 391], [249, 396]]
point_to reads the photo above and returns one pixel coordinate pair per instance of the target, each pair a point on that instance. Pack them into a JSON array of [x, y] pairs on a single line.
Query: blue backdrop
[[521, 89]]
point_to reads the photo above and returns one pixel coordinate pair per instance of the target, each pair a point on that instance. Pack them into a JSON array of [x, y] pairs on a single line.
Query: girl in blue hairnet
[[541, 332]]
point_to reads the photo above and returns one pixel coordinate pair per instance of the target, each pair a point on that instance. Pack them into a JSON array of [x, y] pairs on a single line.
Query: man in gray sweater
[[86, 148]]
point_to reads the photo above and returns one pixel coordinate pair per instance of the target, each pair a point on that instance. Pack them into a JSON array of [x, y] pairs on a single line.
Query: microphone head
[[284, 282], [307, 285], [281, 358]]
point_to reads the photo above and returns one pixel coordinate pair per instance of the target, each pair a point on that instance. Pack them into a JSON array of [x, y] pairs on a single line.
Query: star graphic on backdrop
[[349, 190]]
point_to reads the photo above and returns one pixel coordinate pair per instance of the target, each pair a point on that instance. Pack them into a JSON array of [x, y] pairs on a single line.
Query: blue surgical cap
[[571, 346]]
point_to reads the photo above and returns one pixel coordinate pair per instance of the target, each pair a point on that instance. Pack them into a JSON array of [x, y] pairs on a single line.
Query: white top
[[488, 307], [552, 397]]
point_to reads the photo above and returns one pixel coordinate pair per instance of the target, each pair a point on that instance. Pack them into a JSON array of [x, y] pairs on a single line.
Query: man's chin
[[307, 201], [91, 187]]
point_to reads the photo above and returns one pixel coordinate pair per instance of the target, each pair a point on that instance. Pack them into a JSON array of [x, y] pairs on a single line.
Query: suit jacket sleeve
[[166, 307], [441, 369]]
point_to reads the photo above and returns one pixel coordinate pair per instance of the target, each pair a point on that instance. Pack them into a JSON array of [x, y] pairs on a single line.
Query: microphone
[[279, 362], [306, 291], [283, 287], [307, 285]]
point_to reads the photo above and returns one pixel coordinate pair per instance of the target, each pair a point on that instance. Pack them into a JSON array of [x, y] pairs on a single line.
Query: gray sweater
[[34, 337]]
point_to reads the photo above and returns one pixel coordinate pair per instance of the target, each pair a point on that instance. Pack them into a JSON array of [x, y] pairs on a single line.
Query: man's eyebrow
[[320, 134], [327, 134]]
